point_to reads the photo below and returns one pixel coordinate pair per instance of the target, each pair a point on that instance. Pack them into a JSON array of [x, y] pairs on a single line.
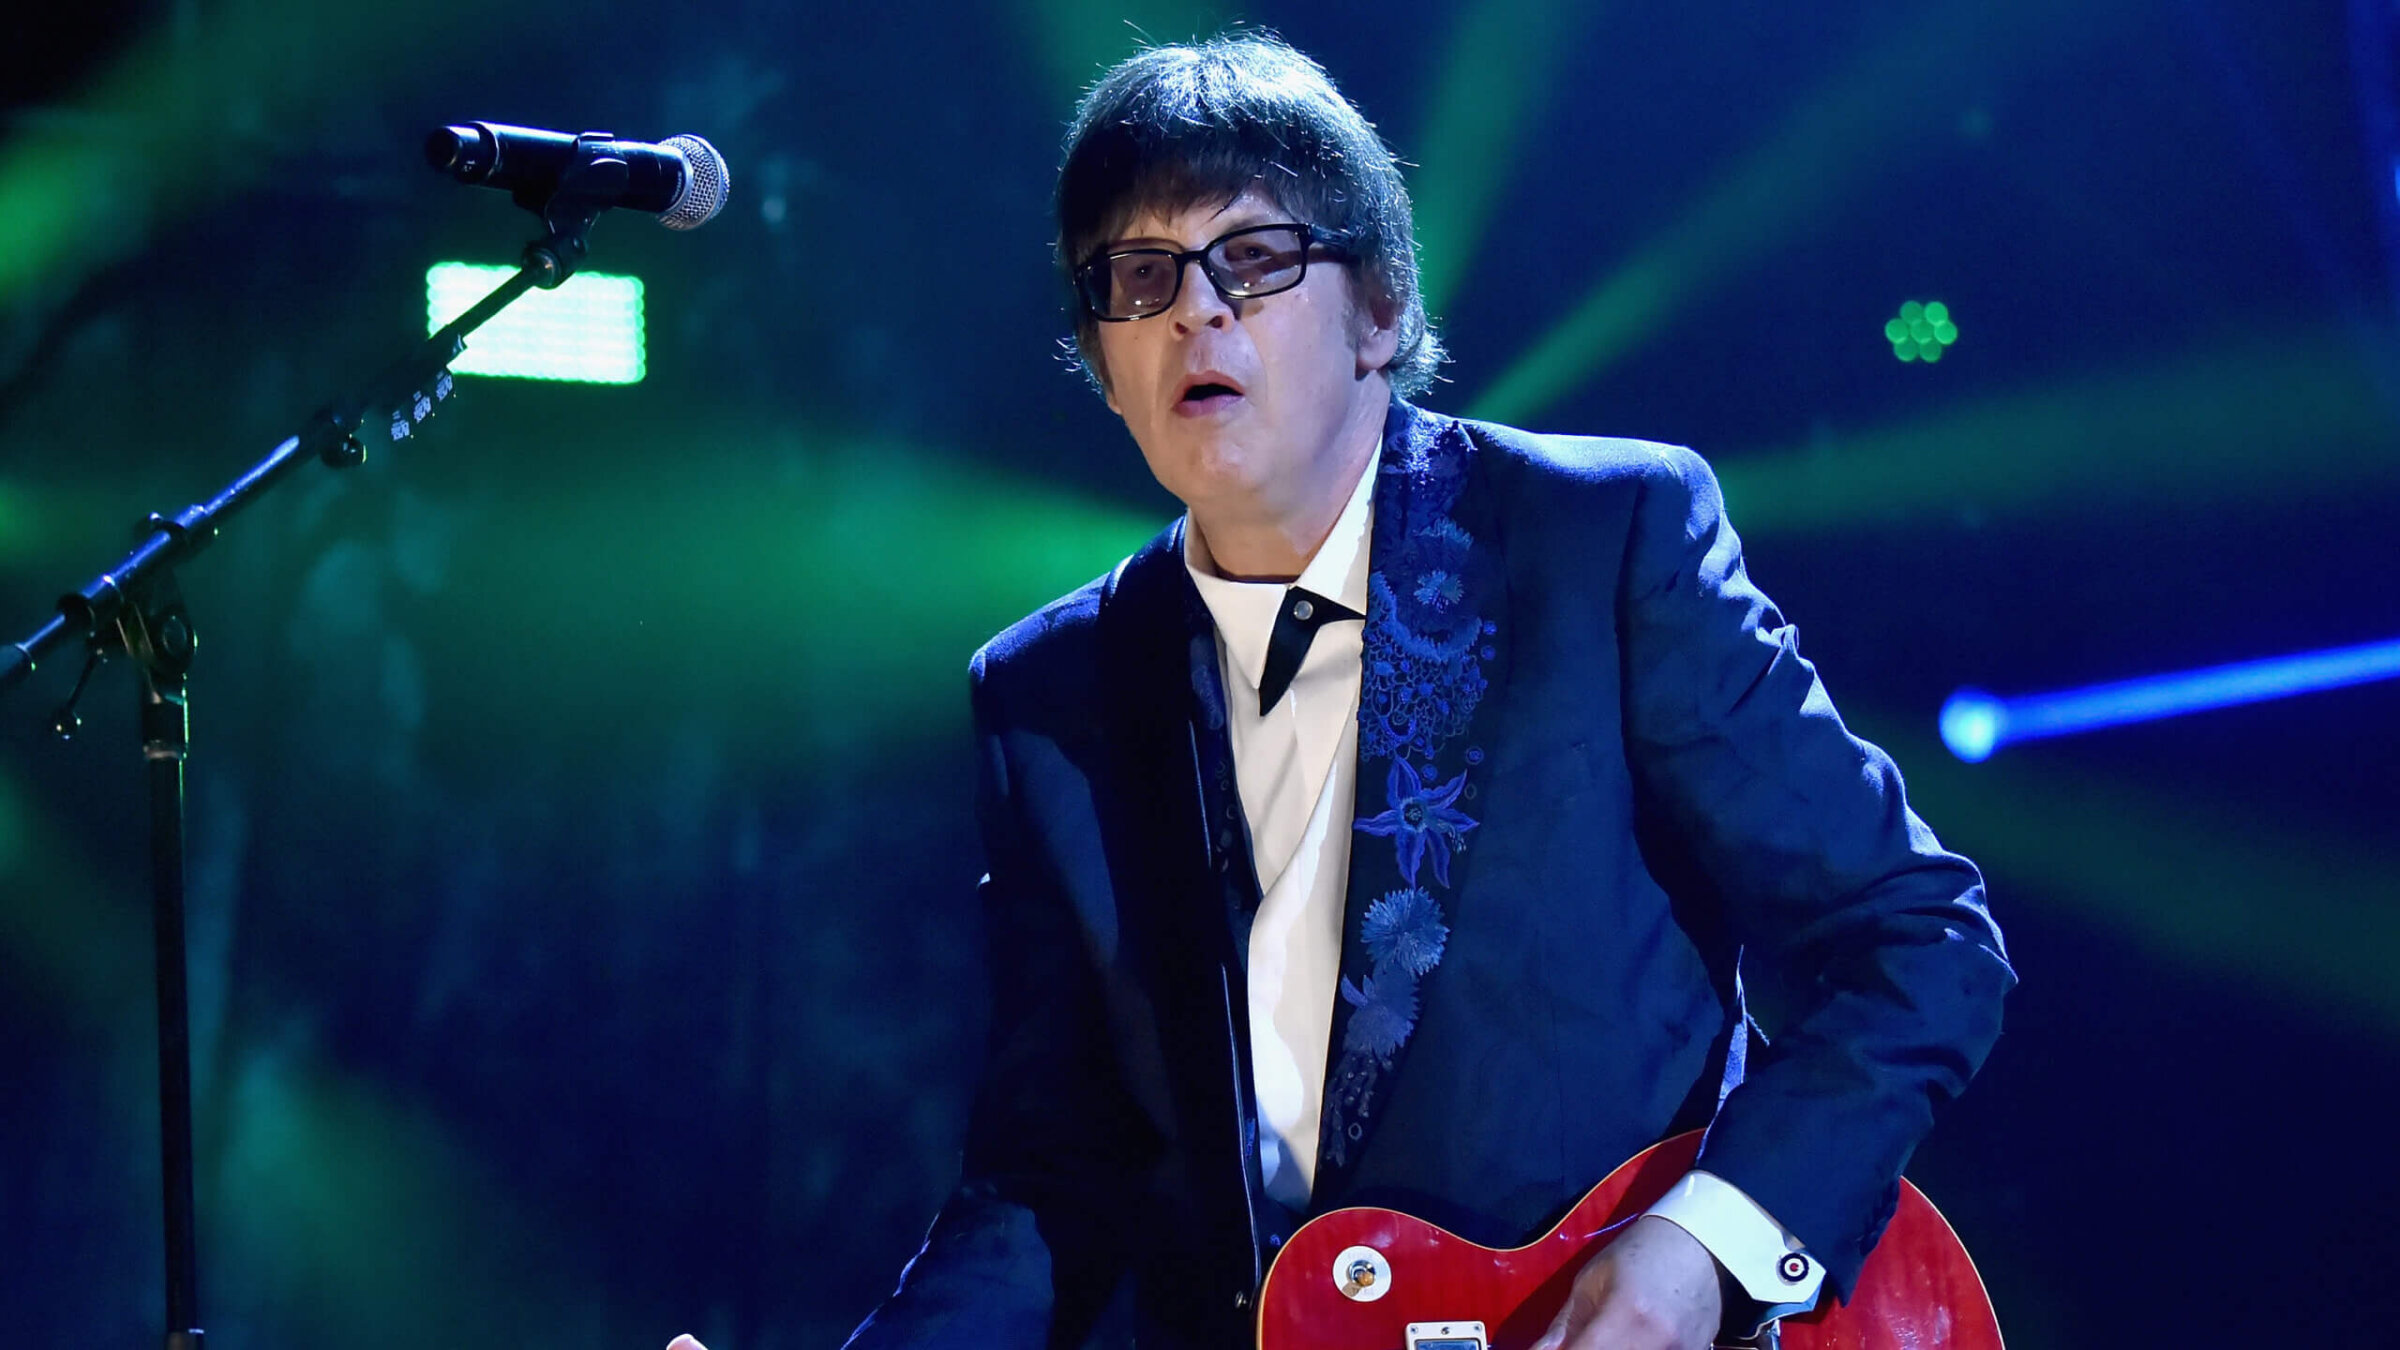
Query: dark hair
[[1176, 126]]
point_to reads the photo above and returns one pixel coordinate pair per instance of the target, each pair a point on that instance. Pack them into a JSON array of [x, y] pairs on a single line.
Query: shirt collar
[[1245, 611]]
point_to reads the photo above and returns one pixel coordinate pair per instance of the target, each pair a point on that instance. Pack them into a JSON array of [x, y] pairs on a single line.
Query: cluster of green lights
[[589, 329], [1922, 332]]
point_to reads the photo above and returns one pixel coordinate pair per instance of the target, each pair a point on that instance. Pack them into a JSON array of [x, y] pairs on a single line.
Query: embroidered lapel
[[1431, 598]]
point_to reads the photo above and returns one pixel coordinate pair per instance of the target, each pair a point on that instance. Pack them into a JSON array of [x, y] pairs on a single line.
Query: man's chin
[[1218, 476]]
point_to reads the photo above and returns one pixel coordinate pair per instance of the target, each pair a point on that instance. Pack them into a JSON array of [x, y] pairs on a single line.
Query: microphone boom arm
[[408, 389]]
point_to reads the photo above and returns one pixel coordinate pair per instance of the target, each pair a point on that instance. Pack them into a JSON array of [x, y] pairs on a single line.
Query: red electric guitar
[[1370, 1279]]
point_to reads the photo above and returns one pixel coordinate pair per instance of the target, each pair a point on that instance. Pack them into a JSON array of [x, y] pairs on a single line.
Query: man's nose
[[1198, 303]]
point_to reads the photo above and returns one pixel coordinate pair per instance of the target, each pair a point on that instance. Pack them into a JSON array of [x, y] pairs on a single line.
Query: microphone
[[681, 180]]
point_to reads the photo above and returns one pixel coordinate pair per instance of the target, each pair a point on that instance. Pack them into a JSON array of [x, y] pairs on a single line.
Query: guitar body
[[1918, 1290]]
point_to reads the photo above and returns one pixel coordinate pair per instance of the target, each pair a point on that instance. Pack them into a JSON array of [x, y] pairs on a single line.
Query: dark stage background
[[583, 938]]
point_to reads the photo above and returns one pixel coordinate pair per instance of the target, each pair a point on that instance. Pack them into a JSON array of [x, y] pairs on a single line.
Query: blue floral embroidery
[[1383, 1012], [1423, 680], [1422, 820], [1423, 665], [1438, 589], [1404, 931]]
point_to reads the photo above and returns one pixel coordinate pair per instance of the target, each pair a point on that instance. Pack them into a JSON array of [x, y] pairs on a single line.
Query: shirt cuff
[[1764, 1258]]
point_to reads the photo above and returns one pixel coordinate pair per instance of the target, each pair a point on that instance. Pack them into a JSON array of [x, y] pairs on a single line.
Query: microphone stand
[[136, 610]]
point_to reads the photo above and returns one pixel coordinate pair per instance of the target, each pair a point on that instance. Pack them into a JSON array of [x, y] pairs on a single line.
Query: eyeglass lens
[[1245, 264]]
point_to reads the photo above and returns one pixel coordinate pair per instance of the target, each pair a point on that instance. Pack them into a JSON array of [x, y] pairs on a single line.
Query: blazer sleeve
[[1027, 1250], [1890, 968]]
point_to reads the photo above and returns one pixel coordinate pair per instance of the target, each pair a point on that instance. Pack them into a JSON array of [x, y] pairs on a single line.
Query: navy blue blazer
[[1600, 795]]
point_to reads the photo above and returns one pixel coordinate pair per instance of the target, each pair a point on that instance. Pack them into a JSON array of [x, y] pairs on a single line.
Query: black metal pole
[[166, 742]]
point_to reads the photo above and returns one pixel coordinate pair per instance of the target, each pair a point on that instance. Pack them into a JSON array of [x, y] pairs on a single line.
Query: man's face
[[1238, 405]]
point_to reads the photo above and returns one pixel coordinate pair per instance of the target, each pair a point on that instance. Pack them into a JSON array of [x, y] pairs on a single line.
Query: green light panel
[[589, 330], [1922, 332]]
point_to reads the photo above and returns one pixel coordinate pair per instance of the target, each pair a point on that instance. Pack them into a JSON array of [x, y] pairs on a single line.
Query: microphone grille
[[705, 184]]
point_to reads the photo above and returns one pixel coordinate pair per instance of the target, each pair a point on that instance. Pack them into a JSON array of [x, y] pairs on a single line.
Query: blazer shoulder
[[1046, 671], [1550, 459], [1661, 490], [1046, 656]]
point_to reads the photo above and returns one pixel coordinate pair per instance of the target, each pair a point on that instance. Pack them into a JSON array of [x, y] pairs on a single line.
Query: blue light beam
[[1975, 724]]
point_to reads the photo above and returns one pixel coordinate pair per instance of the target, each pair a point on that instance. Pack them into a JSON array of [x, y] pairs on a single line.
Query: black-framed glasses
[[1244, 264]]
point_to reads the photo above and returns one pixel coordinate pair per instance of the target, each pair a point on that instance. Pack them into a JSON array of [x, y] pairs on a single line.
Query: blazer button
[[1241, 1299]]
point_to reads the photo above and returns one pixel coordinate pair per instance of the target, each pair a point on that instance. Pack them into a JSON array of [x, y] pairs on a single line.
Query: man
[[1392, 828]]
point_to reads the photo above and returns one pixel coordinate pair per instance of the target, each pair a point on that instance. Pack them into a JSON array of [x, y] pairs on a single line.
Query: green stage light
[[1808, 175], [17, 523], [1793, 183], [1078, 39], [589, 330], [1496, 72], [1923, 331], [762, 586], [2201, 427]]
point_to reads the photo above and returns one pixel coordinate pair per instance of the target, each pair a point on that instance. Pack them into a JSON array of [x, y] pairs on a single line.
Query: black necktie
[[1296, 623]]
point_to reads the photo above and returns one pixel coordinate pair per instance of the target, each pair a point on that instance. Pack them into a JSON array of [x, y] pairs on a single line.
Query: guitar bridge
[[1447, 1336]]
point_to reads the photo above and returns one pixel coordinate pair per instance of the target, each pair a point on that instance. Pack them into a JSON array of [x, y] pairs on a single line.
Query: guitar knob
[[1362, 1274]]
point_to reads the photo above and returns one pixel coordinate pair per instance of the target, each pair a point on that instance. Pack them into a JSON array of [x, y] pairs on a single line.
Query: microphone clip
[[593, 181]]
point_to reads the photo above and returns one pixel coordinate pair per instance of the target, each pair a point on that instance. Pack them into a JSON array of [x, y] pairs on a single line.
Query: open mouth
[[1207, 393]]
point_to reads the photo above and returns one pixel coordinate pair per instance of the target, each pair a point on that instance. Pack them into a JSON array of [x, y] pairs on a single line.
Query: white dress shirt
[[1297, 769]]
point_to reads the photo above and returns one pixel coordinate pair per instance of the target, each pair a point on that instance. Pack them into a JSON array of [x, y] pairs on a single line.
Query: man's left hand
[[1654, 1288]]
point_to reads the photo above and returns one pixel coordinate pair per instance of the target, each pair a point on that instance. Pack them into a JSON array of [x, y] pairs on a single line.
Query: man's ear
[[1098, 371], [1378, 331]]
